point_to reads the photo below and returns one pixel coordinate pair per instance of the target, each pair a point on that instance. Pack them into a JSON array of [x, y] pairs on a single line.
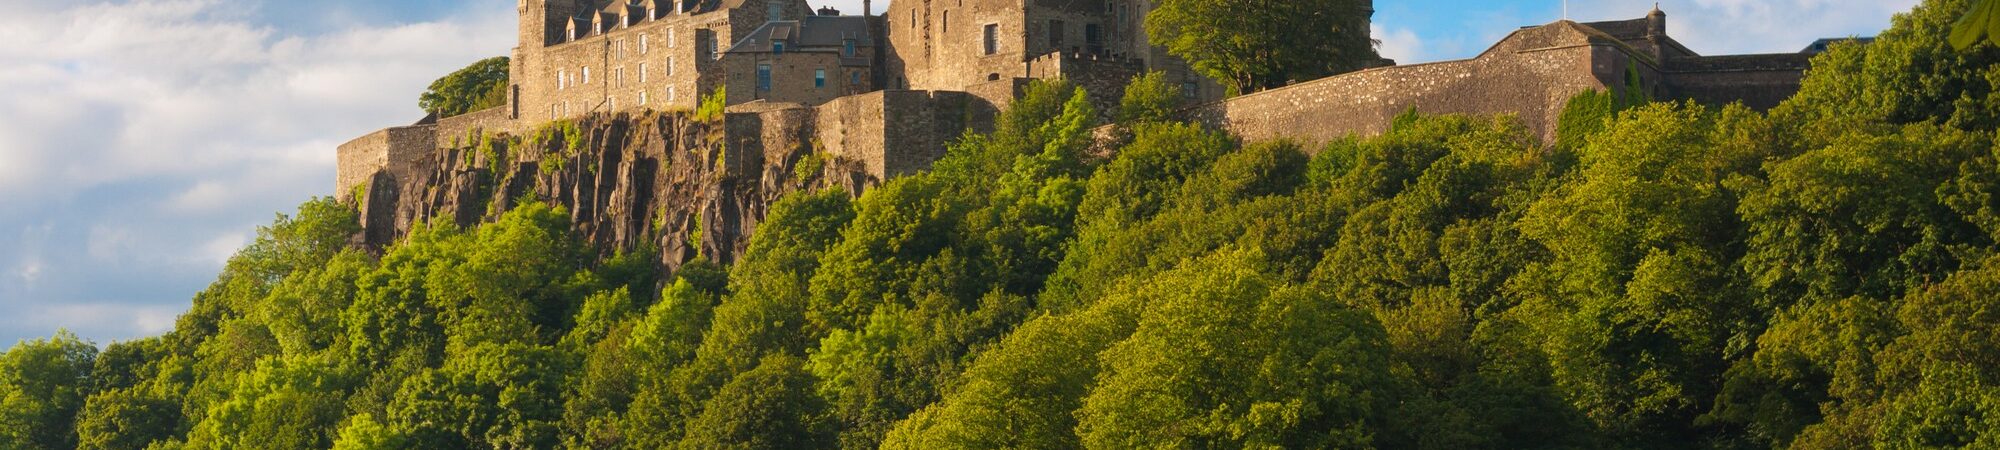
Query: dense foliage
[[1255, 45], [1667, 276], [478, 86]]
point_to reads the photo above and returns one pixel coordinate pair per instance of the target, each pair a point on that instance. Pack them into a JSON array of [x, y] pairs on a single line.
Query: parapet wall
[[1531, 84], [893, 133], [459, 130], [1759, 81], [399, 151], [1103, 77]]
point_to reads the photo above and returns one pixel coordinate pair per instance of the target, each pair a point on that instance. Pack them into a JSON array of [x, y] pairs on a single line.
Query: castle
[[890, 91]]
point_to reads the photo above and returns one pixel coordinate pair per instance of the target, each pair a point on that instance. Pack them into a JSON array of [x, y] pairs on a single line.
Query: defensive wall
[[1530, 75], [888, 133], [399, 152]]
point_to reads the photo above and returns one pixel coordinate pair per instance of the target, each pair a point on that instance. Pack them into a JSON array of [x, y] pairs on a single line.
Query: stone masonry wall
[[462, 129], [1531, 83], [395, 152]]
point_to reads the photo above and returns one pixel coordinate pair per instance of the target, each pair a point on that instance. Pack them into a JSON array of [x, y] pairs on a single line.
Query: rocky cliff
[[666, 181]]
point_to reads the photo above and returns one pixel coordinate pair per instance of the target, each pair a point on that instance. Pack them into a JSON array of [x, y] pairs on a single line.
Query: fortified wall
[[872, 135], [1530, 75]]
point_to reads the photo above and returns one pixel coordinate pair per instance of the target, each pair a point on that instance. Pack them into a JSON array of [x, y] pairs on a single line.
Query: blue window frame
[[764, 77]]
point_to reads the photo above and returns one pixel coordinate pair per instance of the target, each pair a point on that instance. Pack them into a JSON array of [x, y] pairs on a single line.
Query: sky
[[143, 141]]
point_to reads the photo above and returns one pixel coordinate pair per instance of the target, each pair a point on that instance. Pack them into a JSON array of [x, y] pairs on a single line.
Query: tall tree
[[478, 86], [1262, 44], [42, 385]]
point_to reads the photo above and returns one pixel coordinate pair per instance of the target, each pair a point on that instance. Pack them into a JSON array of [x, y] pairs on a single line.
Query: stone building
[[889, 92]]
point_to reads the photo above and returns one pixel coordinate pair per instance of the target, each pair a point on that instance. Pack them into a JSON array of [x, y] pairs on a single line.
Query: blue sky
[[143, 141]]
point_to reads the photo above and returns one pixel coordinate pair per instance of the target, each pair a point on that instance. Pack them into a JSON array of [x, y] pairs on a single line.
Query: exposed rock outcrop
[[666, 181]]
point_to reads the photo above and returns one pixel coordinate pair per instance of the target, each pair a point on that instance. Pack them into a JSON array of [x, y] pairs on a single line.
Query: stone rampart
[[892, 133], [462, 130], [1532, 84], [397, 151]]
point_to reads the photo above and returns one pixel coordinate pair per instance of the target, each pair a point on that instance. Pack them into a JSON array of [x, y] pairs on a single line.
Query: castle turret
[[1656, 22]]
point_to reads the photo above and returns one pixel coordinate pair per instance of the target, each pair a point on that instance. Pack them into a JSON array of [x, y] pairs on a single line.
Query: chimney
[[867, 8], [1656, 22]]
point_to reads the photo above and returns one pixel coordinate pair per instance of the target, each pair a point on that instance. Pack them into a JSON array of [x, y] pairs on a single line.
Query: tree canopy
[[1256, 45], [476, 87]]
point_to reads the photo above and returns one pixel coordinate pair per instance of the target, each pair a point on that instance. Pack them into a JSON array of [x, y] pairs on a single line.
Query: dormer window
[[778, 47], [847, 48]]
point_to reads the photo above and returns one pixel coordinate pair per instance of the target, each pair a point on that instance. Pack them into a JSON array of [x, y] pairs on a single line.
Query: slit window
[[992, 39]]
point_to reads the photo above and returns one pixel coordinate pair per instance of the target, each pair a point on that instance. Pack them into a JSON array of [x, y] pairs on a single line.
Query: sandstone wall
[[1759, 81], [465, 129], [1531, 83], [395, 151]]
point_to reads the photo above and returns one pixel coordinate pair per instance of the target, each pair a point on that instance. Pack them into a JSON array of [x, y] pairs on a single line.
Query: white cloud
[[153, 135], [29, 271], [102, 321], [218, 250], [1400, 44], [1716, 27]]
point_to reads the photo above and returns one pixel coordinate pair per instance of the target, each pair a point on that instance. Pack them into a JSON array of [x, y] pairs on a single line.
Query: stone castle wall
[[463, 130], [1759, 81], [885, 133], [1532, 80], [396, 152]]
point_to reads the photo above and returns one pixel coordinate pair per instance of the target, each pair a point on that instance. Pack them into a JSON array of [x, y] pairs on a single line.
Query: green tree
[[769, 407], [1232, 361], [43, 383], [478, 86], [126, 418], [286, 403], [1266, 44], [1149, 98]]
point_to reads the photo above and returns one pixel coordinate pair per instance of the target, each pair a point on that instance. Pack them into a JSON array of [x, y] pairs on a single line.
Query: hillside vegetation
[[1667, 276]]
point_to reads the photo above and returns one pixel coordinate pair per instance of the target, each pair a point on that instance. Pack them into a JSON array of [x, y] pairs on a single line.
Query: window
[[670, 66], [621, 48], [778, 47], [776, 10], [642, 73], [1190, 90], [555, 112], [1093, 38], [642, 98], [854, 78], [644, 40], [763, 77], [670, 94], [618, 77], [562, 79], [819, 78], [1056, 34], [947, 21], [586, 74], [670, 38], [610, 103], [847, 47], [992, 39]]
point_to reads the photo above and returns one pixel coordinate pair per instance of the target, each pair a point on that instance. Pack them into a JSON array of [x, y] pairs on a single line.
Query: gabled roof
[[812, 31]]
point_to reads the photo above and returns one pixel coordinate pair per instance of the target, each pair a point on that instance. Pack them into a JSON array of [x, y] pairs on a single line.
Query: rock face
[[665, 181]]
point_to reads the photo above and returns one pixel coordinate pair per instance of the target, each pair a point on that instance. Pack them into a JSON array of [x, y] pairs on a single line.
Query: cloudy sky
[[142, 141]]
